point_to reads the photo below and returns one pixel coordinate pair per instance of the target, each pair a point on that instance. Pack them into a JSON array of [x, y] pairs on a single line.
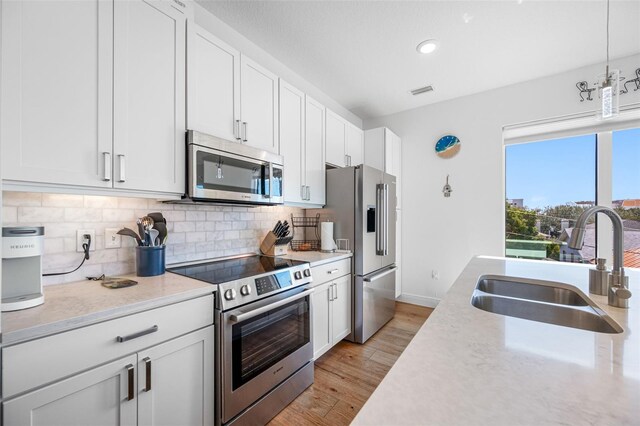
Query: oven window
[[230, 174], [261, 342]]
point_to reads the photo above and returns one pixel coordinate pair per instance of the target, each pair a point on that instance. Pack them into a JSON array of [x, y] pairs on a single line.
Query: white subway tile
[[196, 215], [9, 215], [53, 245], [239, 225], [193, 237], [21, 199], [62, 200], [174, 216], [98, 201], [36, 215], [133, 203], [215, 216], [184, 227], [231, 235], [118, 215], [230, 216], [73, 214], [224, 226]]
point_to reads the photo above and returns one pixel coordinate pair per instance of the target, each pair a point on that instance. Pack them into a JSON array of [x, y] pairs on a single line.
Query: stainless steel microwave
[[230, 172]]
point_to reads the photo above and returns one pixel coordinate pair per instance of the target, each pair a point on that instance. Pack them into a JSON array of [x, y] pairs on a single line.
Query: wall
[[195, 232], [442, 234], [220, 29]]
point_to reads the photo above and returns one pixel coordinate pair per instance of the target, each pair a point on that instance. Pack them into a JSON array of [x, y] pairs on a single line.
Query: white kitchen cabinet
[[383, 151], [56, 85], [336, 130], [302, 146], [99, 396], [94, 94], [175, 381], [292, 143], [398, 252], [332, 305], [213, 85], [354, 148], [149, 96], [258, 105], [315, 151], [345, 142], [149, 368]]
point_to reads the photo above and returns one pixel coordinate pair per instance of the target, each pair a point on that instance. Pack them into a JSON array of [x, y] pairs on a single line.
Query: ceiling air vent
[[424, 89]]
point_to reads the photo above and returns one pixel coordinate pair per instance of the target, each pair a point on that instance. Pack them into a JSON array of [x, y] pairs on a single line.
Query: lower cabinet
[[331, 314], [167, 384]]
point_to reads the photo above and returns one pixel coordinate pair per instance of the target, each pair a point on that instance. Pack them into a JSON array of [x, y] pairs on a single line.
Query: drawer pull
[[121, 339], [333, 271], [130, 379], [147, 367]]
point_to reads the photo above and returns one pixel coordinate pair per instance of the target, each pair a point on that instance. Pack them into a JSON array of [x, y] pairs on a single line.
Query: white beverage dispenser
[[22, 249]]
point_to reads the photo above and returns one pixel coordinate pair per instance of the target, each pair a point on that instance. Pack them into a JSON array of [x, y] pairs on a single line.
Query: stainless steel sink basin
[[542, 301]]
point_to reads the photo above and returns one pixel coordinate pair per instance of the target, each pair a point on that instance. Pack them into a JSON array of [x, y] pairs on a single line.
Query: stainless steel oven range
[[263, 322]]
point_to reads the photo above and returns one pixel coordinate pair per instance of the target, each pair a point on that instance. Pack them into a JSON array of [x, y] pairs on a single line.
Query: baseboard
[[429, 302]]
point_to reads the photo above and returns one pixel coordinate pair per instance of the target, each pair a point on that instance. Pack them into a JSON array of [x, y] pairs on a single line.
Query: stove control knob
[[230, 294], [297, 275], [307, 272], [245, 290]]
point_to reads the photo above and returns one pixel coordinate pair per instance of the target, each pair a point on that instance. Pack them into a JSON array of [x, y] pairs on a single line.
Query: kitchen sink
[[542, 301]]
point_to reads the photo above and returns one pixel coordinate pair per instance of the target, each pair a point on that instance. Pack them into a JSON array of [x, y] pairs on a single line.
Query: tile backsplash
[[195, 231]]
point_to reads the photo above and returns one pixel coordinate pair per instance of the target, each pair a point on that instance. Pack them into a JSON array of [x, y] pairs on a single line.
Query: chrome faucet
[[618, 293]]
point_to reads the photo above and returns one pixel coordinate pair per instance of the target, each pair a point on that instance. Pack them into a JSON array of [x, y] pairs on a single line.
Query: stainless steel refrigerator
[[361, 201]]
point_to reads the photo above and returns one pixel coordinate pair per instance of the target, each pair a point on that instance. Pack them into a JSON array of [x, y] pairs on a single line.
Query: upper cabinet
[[149, 96], [229, 95], [93, 94], [345, 142], [302, 146], [213, 84], [383, 151], [56, 85]]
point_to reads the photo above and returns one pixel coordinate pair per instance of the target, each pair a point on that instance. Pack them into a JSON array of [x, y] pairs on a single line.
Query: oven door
[[222, 176], [262, 345]]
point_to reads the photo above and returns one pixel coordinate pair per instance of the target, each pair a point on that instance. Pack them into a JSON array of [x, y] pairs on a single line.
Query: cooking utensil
[[153, 234], [130, 233], [147, 225], [140, 228], [162, 229], [157, 217]]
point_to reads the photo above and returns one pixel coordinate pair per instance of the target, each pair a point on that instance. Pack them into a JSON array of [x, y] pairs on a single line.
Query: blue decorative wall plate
[[447, 146]]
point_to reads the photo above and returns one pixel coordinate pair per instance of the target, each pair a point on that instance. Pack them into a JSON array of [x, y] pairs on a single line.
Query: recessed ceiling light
[[427, 46]]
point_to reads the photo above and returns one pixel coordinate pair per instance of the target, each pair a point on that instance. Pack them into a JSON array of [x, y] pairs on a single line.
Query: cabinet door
[[341, 309], [95, 397], [292, 142], [149, 96], [175, 381], [322, 335], [314, 151], [336, 139], [398, 252], [355, 145], [213, 85], [393, 159], [56, 84], [258, 105]]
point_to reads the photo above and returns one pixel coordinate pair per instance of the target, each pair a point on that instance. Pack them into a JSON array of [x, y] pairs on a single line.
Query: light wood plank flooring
[[348, 374]]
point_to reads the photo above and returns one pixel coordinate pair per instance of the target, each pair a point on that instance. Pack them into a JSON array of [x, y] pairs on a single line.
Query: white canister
[[326, 237]]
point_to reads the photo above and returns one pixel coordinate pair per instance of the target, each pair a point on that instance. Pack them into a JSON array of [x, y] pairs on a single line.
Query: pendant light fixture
[[608, 86]]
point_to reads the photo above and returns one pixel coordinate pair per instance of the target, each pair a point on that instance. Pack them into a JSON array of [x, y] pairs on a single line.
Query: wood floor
[[348, 374]]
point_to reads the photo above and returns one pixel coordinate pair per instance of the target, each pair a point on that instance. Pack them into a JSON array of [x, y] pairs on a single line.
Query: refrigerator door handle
[[376, 277], [379, 219]]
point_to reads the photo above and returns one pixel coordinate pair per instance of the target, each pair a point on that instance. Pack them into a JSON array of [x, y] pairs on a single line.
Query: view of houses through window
[[550, 183]]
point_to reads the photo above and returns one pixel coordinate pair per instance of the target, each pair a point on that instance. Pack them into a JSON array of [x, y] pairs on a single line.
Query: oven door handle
[[248, 315]]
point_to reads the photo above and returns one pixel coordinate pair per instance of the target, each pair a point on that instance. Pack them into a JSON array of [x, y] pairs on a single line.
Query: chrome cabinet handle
[[302, 192], [308, 193], [147, 367], [330, 293], [333, 271], [130, 379], [107, 166], [121, 339], [122, 162], [346, 160], [335, 286], [244, 135], [236, 130]]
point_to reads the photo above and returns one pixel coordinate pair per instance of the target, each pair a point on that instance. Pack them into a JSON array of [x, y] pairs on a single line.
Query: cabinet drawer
[[330, 271], [32, 364]]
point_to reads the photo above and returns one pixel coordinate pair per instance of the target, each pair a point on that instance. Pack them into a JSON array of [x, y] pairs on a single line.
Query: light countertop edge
[[467, 366], [83, 303], [316, 258]]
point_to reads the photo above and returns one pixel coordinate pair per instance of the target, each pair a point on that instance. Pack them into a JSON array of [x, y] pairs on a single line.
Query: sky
[[560, 171]]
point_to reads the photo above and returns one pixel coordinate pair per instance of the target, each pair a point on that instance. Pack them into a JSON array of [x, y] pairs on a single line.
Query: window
[[549, 183]]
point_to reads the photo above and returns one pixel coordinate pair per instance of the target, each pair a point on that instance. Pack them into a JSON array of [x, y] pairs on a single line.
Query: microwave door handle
[[258, 311], [270, 180]]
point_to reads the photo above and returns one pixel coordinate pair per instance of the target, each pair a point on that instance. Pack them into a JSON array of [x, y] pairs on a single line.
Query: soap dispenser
[[599, 278]]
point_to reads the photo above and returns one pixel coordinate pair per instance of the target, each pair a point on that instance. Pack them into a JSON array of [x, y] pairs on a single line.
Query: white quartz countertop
[[73, 305], [470, 367], [316, 258]]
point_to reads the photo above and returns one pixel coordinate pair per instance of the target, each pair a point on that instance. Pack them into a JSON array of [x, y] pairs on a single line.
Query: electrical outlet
[[111, 238], [81, 240]]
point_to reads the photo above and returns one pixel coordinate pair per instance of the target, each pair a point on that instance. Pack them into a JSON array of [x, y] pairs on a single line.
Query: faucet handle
[[622, 292]]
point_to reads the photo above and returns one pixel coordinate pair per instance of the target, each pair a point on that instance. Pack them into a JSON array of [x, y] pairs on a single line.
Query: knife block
[[274, 246]]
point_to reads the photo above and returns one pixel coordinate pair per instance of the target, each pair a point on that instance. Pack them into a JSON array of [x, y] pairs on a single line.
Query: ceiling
[[363, 53]]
